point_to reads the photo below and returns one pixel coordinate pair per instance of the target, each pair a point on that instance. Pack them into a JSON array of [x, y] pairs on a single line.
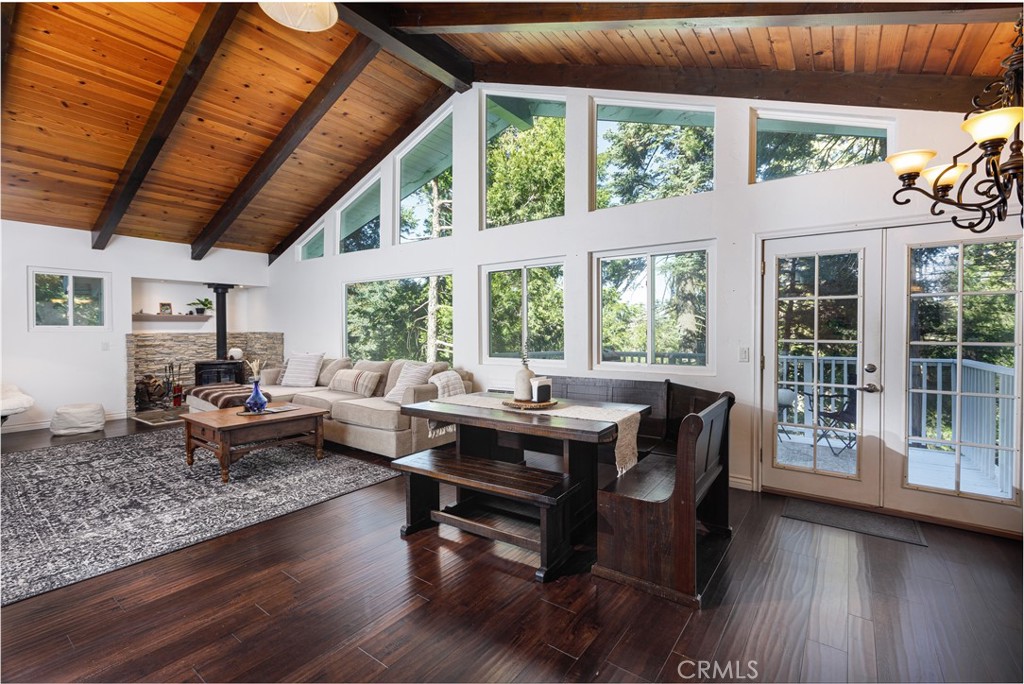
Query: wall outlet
[[104, 346], [744, 354]]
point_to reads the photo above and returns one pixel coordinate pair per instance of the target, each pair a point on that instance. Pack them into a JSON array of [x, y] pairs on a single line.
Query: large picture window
[[527, 312], [426, 186], [68, 299], [406, 318], [654, 308], [645, 154], [525, 140], [359, 221], [791, 147]]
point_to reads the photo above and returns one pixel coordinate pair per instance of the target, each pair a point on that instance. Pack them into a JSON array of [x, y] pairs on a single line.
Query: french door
[[892, 371]]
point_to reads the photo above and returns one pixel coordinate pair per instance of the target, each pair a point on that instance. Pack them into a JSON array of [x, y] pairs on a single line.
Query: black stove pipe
[[220, 308]]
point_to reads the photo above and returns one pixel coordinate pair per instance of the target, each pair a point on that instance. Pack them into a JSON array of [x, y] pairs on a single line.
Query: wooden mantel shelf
[[167, 318]]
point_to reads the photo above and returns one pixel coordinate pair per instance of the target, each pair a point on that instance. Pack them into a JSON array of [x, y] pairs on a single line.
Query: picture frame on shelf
[[166, 309]]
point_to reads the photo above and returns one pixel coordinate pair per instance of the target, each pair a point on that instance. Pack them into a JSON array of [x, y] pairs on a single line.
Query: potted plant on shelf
[[201, 304]]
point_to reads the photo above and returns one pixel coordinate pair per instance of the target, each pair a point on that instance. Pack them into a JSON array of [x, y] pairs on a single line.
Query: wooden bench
[[508, 502], [647, 534]]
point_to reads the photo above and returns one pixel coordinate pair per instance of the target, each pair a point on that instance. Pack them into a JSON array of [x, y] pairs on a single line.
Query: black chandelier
[[996, 116]]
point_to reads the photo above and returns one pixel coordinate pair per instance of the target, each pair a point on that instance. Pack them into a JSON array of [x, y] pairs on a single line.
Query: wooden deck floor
[[332, 593]]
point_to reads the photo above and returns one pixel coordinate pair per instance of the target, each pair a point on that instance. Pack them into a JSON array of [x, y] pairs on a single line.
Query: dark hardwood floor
[[332, 593]]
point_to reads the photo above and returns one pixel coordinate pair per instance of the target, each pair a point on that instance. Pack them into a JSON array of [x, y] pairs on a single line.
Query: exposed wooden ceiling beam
[[202, 45], [428, 18], [359, 53], [430, 54], [433, 103], [898, 91]]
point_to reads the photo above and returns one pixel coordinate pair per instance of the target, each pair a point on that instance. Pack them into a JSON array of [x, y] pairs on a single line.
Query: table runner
[[627, 421]]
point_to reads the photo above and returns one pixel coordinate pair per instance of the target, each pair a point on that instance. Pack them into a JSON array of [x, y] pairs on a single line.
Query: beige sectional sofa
[[367, 423]]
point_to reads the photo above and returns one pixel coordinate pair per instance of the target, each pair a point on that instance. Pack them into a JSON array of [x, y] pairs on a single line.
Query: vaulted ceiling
[[212, 125]]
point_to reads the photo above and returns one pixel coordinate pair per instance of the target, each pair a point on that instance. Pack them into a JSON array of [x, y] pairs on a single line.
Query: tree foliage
[[785, 154], [526, 173], [387, 319]]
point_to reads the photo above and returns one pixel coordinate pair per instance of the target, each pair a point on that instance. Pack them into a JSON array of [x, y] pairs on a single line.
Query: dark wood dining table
[[505, 434]]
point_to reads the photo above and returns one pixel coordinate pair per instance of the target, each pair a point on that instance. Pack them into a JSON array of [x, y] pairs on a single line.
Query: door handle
[[870, 388]]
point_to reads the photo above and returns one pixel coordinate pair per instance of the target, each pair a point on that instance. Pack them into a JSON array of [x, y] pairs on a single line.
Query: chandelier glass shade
[[979, 190], [302, 16]]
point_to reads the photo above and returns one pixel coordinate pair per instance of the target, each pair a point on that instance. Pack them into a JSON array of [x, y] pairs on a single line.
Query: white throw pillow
[[413, 373], [302, 370], [355, 381]]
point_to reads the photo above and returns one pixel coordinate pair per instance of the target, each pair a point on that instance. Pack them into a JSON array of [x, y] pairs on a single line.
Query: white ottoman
[[74, 419]]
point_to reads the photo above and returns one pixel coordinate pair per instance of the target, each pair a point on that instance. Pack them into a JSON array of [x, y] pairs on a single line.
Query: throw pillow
[[302, 370], [355, 381], [331, 366], [270, 376], [413, 373], [381, 367]]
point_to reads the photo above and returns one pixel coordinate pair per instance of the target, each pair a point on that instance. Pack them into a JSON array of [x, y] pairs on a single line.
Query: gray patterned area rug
[[76, 511]]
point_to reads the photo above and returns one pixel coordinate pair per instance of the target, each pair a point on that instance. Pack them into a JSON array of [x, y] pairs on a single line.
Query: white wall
[[244, 305], [736, 216], [72, 366]]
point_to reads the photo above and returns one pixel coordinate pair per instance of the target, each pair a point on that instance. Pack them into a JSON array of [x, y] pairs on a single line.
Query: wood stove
[[221, 370]]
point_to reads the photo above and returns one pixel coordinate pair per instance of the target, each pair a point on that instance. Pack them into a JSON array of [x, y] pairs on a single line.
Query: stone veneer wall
[[151, 352]]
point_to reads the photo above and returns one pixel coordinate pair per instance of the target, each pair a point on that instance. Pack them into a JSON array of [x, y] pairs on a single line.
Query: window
[[962, 412], [654, 308], [527, 312], [313, 248], [790, 147], [406, 318], [647, 154], [359, 221], [425, 190], [68, 299], [525, 140]]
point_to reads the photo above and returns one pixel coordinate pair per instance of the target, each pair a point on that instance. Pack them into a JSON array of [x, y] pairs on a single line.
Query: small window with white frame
[[425, 186], [526, 311], [68, 300], [649, 153], [313, 246], [795, 144], [359, 221], [653, 306]]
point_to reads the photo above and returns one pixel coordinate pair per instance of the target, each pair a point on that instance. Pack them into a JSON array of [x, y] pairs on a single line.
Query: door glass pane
[[818, 426], [962, 431]]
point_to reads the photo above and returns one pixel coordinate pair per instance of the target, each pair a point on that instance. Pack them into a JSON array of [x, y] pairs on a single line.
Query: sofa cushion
[[323, 398], [271, 376], [302, 370], [396, 371], [381, 367], [372, 412], [361, 382], [413, 373], [328, 367]]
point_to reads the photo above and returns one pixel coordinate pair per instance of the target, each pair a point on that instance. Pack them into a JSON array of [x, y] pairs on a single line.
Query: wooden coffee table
[[230, 436]]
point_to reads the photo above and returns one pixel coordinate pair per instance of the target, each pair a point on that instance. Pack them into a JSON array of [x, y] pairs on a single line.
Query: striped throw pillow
[[355, 381], [302, 370], [412, 373]]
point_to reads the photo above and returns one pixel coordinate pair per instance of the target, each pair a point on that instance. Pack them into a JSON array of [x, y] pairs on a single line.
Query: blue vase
[[256, 402]]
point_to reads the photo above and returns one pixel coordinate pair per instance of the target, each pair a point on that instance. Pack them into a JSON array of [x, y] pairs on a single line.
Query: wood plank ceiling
[[216, 126]]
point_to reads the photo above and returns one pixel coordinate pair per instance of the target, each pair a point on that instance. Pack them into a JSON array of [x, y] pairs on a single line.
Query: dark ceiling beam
[[899, 91], [8, 12], [200, 48], [478, 17], [433, 103], [430, 54], [359, 53]]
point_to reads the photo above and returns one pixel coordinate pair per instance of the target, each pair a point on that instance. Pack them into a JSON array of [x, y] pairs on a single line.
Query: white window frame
[[595, 102], [70, 327], [350, 198], [424, 130], [485, 290], [798, 116], [317, 227], [524, 94], [649, 251]]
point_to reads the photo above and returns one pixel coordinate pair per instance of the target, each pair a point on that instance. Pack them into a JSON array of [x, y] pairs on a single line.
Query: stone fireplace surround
[[150, 352]]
